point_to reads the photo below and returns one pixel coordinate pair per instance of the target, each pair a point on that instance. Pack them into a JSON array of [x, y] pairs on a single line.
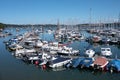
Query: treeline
[[2, 25]]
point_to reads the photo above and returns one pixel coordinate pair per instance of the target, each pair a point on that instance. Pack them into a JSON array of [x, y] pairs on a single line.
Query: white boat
[[67, 51], [74, 34], [38, 43], [106, 51], [114, 40], [59, 61], [34, 57], [90, 52], [45, 58], [31, 58], [51, 47], [50, 31], [54, 46], [29, 44], [20, 52], [96, 39], [13, 47]]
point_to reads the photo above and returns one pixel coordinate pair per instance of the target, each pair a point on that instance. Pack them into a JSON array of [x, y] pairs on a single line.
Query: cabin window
[[108, 49], [103, 49]]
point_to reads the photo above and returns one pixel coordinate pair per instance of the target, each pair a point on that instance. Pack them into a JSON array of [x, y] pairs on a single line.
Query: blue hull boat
[[74, 63], [77, 62], [86, 63], [114, 65]]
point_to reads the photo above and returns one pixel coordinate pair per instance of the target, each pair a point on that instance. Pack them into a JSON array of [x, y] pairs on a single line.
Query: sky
[[66, 11]]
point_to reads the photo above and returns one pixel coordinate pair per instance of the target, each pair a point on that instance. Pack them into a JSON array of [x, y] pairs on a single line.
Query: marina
[[39, 54], [59, 39]]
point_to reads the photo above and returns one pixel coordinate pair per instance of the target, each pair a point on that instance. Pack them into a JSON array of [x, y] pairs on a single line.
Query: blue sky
[[49, 11]]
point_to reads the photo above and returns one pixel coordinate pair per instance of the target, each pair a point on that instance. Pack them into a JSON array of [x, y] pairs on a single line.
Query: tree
[[1, 25]]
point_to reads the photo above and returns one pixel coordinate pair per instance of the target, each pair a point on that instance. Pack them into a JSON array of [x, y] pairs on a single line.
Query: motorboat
[[114, 65], [86, 62], [106, 51], [20, 52], [45, 58], [100, 63], [68, 51], [90, 52], [74, 63], [96, 39], [15, 46], [49, 31], [38, 43], [105, 40], [31, 58], [114, 40], [59, 61]]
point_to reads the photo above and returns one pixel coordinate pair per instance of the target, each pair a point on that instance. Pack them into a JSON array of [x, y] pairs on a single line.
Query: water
[[12, 68]]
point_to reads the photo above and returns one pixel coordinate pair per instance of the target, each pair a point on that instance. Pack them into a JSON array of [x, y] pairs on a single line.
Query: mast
[[90, 18], [118, 23], [58, 27], [119, 18]]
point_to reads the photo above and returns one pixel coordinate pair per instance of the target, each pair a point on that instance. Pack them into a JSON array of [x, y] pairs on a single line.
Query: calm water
[[12, 68]]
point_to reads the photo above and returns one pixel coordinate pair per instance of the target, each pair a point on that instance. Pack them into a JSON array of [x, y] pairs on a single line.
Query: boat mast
[[118, 21], [119, 18], [58, 25], [90, 18]]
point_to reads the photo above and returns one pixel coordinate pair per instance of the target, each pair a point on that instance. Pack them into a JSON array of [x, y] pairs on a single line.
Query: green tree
[[2, 25]]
